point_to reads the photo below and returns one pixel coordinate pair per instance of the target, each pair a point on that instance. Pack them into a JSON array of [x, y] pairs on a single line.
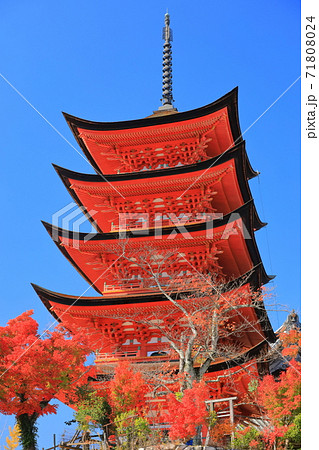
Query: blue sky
[[102, 61]]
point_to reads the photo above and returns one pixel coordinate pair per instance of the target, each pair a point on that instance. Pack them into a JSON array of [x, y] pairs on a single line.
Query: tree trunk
[[28, 430], [190, 370], [85, 438], [198, 438]]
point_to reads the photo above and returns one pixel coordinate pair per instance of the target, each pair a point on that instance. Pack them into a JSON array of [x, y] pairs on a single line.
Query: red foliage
[[127, 389], [291, 342], [186, 414], [34, 368], [281, 400], [271, 435]]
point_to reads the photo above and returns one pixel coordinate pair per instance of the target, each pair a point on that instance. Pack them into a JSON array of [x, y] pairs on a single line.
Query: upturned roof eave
[[247, 212], [234, 152], [238, 153], [228, 100], [48, 298], [255, 277]]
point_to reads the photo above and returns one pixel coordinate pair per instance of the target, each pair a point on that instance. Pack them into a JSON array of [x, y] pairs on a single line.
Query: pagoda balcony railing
[[164, 222], [132, 356], [149, 285], [102, 357], [135, 357], [139, 285], [131, 284]]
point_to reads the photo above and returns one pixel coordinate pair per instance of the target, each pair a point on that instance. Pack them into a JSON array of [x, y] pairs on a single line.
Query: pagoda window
[[157, 353]]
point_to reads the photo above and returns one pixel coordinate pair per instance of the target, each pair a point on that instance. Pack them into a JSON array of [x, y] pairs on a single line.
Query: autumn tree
[[127, 393], [281, 397], [204, 317], [127, 389], [93, 411], [34, 369], [117, 406], [279, 400], [247, 438], [187, 411]]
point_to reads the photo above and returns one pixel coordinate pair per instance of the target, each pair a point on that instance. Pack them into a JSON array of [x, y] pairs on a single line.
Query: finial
[[167, 94]]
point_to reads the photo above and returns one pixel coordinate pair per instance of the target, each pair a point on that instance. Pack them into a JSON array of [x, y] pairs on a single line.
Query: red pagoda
[[175, 183]]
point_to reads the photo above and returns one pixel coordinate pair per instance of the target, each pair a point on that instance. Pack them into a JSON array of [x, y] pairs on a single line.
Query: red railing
[[133, 356]]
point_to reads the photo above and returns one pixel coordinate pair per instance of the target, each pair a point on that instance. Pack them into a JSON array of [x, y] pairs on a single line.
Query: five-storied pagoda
[[173, 185]]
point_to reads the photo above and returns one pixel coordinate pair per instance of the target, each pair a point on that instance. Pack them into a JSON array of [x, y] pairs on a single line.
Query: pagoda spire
[[167, 94]]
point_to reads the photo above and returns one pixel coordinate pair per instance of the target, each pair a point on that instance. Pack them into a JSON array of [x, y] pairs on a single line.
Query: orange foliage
[[36, 367], [291, 342], [220, 430], [127, 389], [190, 411], [281, 400]]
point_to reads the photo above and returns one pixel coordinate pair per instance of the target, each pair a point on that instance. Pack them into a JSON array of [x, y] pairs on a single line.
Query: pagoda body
[[175, 183]]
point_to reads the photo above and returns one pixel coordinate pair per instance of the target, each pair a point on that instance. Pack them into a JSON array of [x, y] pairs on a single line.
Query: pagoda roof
[[238, 151], [219, 119], [255, 278], [89, 307], [86, 189], [242, 358], [92, 253]]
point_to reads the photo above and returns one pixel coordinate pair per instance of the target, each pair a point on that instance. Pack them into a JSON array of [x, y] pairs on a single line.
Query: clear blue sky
[[102, 61]]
